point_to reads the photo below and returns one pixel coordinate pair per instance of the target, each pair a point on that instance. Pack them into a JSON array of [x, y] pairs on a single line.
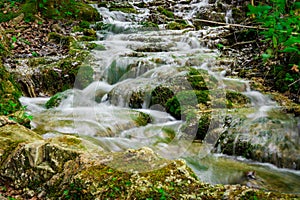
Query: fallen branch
[[229, 25], [294, 83], [243, 43], [239, 25]]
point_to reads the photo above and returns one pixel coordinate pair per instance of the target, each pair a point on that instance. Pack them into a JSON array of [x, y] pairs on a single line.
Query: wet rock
[[71, 167], [50, 75], [263, 139]]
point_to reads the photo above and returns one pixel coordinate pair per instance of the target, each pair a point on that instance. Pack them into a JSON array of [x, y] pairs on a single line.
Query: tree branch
[[239, 25]]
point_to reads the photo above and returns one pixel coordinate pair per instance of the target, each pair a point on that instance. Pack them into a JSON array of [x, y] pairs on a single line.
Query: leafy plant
[[281, 25], [34, 54]]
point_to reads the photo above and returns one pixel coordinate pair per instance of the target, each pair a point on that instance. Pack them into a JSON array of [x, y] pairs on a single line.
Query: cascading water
[[132, 65]]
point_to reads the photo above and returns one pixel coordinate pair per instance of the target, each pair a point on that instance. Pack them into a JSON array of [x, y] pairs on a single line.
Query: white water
[[111, 124]]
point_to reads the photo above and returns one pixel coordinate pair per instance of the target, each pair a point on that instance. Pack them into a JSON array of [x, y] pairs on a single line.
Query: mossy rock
[[122, 7], [165, 12], [68, 167], [55, 100], [60, 10], [87, 38], [84, 24], [160, 95], [61, 75], [89, 32], [11, 135], [136, 99], [261, 140], [184, 100], [142, 119], [177, 25], [201, 80], [84, 77], [94, 46], [236, 99], [61, 39], [9, 93], [150, 25], [197, 124], [4, 42]]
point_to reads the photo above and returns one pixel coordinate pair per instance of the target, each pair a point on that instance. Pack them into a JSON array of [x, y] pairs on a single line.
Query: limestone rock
[[68, 167]]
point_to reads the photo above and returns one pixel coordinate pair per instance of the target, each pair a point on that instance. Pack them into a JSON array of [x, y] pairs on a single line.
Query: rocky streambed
[[147, 110]]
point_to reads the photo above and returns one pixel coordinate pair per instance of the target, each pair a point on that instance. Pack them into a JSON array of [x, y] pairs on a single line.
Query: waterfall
[[109, 111]]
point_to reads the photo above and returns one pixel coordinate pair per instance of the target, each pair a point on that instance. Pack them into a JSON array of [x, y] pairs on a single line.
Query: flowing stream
[[136, 58]]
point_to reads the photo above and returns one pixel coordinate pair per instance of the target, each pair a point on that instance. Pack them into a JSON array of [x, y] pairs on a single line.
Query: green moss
[[61, 75], [55, 100], [11, 136], [84, 24], [94, 46], [151, 25], [142, 119], [88, 38], [7, 16], [34, 62], [136, 99], [98, 26], [197, 123], [177, 25], [177, 105], [160, 95], [122, 7], [77, 29], [236, 99], [9, 93], [201, 80], [60, 39], [64, 9], [165, 12], [89, 32]]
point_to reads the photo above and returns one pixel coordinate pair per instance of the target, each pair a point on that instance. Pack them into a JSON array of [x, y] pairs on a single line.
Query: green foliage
[[34, 54], [7, 16], [151, 25], [281, 20], [282, 26], [9, 107]]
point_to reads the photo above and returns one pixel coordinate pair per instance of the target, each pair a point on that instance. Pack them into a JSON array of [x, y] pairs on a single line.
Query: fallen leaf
[[295, 68]]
